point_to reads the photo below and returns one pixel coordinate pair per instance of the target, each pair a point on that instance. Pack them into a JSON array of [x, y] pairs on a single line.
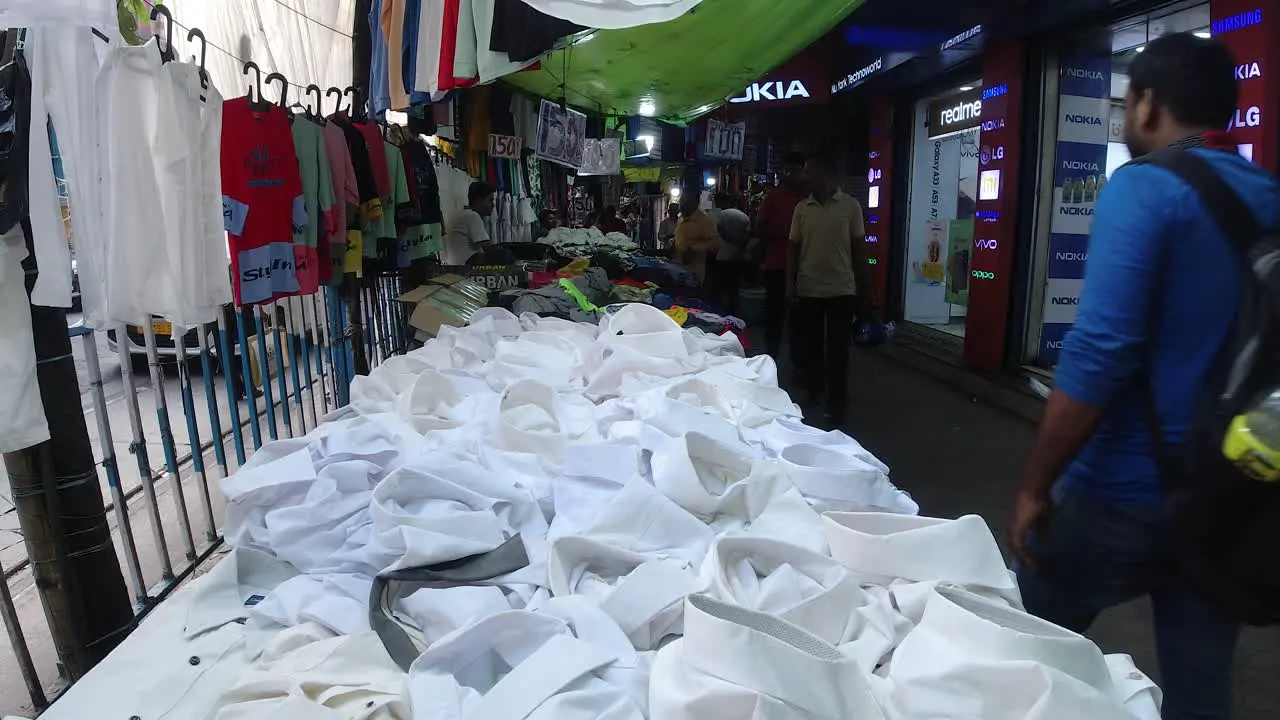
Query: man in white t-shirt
[[468, 233]]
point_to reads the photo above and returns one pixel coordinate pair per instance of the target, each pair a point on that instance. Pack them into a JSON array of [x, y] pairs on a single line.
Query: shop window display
[[944, 191], [1088, 137]]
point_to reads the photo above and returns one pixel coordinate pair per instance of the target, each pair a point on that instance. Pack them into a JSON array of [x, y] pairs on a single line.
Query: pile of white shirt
[[695, 551]]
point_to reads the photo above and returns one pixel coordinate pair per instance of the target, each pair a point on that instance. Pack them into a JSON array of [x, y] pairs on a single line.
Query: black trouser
[[725, 279], [775, 312], [823, 332]]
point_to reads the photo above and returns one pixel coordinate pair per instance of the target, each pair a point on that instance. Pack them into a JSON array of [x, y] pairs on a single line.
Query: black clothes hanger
[[284, 88], [355, 109], [259, 103], [204, 51], [314, 91], [337, 107], [166, 52]]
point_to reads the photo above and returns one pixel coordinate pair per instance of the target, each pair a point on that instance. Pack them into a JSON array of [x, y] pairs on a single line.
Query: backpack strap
[[1238, 224]]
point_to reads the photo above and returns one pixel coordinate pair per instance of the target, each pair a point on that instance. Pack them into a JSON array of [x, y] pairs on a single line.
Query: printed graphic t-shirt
[[262, 203]]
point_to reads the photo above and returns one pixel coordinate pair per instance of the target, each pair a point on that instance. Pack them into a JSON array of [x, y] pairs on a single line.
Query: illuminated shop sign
[[772, 91], [994, 92], [1246, 118], [989, 125], [960, 111], [1236, 22], [969, 34], [858, 76], [984, 275], [1083, 73], [1248, 71], [991, 244], [1072, 256], [1066, 300]]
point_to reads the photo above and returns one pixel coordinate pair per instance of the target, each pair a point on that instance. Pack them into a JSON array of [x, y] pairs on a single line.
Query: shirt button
[[193, 660]]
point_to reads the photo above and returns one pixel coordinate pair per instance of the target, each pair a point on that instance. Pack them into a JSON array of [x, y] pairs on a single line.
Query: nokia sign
[[1066, 301], [772, 92], [1075, 119], [1248, 71], [1079, 165], [1083, 73], [959, 111], [1075, 211], [1071, 256]]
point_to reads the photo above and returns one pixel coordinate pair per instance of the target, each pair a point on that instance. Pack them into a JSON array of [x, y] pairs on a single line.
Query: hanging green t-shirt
[[317, 181], [385, 228]]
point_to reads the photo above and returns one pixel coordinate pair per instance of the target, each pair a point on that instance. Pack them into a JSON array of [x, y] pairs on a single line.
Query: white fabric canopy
[[307, 41]]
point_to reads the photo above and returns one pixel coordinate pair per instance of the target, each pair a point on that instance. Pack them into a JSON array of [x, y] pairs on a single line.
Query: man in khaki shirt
[[697, 239], [827, 272]]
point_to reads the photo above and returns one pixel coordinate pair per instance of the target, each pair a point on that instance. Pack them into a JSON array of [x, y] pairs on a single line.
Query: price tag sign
[[725, 140], [505, 146]]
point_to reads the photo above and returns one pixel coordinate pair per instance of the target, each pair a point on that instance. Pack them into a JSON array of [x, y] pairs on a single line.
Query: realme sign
[[952, 113]]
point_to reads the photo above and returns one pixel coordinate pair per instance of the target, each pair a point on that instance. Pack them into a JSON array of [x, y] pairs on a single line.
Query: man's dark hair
[[478, 191], [793, 158], [1191, 77]]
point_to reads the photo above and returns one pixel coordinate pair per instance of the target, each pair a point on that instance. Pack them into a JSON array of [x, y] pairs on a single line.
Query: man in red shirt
[[773, 226]]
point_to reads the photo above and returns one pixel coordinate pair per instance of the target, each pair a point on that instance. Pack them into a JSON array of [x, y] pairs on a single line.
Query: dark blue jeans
[[1092, 556]]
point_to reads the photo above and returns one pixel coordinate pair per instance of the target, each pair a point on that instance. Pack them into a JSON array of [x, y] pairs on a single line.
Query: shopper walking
[[826, 279], [735, 231], [697, 240], [1162, 288], [773, 226], [667, 228], [468, 233]]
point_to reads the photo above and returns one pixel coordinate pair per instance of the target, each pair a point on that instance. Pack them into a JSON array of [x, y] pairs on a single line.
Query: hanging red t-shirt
[[377, 156], [262, 203]]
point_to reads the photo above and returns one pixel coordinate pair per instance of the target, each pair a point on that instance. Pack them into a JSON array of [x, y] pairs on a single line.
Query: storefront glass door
[[944, 190]]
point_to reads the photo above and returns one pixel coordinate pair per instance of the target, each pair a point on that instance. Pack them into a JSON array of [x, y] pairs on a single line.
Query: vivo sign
[[772, 92]]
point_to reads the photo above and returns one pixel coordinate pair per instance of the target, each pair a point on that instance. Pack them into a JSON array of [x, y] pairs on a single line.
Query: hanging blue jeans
[[1092, 556]]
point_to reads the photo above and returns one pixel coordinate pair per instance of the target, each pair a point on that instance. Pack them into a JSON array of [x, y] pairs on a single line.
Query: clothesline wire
[[305, 16], [228, 53]]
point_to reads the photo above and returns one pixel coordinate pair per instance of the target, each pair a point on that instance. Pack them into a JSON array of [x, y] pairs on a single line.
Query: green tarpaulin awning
[[687, 66]]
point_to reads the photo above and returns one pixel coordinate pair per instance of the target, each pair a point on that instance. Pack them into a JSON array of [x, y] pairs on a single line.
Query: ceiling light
[[647, 140], [647, 108], [711, 182], [675, 193], [1140, 48], [966, 88], [1203, 34]]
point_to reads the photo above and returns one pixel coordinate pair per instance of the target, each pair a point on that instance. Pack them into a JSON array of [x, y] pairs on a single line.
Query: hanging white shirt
[[48, 234], [22, 419]]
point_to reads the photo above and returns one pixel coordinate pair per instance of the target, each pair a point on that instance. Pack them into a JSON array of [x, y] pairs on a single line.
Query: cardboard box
[[444, 300]]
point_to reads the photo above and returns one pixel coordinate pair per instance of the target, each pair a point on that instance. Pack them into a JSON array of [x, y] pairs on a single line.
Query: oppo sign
[[959, 111]]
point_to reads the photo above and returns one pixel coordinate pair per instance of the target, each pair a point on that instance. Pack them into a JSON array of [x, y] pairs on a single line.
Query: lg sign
[[772, 91]]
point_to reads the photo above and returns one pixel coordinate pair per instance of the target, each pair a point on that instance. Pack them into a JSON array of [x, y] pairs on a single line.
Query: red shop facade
[[987, 153]]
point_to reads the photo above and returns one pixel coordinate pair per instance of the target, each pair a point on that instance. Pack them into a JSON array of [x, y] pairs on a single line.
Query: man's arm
[[795, 240], [479, 233], [1103, 350]]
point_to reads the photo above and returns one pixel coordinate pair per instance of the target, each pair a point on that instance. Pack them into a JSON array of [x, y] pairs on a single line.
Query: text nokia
[[1084, 119], [1076, 211], [1248, 71], [1071, 256], [1066, 301], [778, 90], [1083, 73], [1079, 165]]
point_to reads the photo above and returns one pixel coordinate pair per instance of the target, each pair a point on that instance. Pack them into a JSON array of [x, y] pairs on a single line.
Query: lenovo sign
[[959, 111], [773, 92]]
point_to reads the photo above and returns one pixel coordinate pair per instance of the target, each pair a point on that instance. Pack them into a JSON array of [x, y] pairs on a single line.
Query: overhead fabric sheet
[[620, 531], [687, 66], [307, 41]]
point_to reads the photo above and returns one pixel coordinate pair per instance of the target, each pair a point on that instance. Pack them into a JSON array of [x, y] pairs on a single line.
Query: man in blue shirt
[[1161, 288]]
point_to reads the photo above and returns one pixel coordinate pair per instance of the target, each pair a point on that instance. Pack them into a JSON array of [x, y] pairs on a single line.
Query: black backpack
[[1227, 524]]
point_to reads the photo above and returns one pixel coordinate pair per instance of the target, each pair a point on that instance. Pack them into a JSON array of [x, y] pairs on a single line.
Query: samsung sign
[[951, 113]]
